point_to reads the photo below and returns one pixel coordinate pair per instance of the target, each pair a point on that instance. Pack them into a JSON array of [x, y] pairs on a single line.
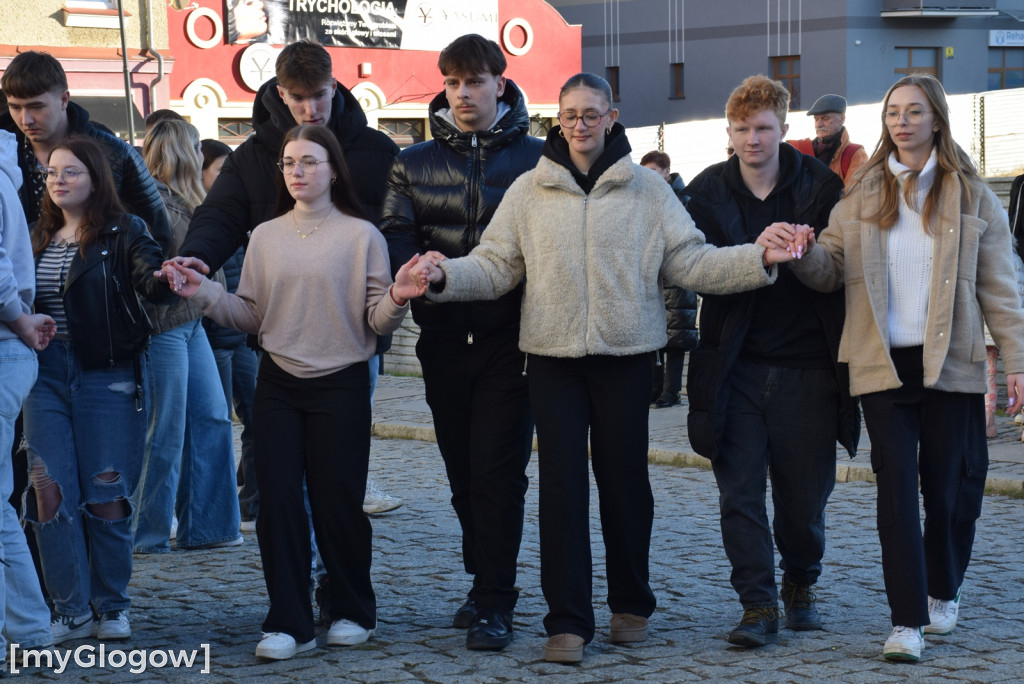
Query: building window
[[1005, 68], [403, 132], [675, 86], [611, 74], [233, 131], [917, 60], [787, 70]]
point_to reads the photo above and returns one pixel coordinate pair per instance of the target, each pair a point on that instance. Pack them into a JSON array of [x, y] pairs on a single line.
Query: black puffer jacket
[[101, 309], [724, 319], [245, 193], [135, 186], [442, 194], [680, 304]]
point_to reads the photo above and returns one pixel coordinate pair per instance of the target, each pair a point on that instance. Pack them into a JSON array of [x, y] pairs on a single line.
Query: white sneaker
[[281, 646], [347, 633], [376, 501], [174, 528], [905, 644], [114, 625], [67, 627], [943, 615], [247, 526]]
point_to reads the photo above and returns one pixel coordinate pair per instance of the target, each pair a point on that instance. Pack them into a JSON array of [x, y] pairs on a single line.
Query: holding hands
[[785, 242], [182, 280], [429, 269], [409, 281], [35, 330]]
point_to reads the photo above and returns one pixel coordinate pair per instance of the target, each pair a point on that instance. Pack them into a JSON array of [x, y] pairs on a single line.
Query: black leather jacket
[[103, 318], [441, 195]]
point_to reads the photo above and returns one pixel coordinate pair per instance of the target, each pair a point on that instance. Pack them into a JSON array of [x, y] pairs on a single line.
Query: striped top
[[51, 272]]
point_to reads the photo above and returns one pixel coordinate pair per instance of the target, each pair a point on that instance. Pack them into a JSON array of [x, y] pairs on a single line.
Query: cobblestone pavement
[[185, 599]]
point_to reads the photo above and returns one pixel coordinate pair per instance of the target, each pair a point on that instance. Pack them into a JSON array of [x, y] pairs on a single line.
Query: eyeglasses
[[590, 119], [911, 115], [287, 166], [69, 175]]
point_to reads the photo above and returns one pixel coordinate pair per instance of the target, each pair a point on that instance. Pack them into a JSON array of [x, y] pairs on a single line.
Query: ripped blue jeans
[[86, 433]]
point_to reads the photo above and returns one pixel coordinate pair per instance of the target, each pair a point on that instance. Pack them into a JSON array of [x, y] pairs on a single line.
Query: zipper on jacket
[[473, 142], [106, 308], [526, 360], [469, 338], [586, 284]]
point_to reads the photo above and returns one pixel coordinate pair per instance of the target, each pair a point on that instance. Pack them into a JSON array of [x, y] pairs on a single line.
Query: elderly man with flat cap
[[832, 146]]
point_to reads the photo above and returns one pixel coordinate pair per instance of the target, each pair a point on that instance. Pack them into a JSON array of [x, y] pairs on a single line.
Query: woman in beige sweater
[[923, 248], [316, 289]]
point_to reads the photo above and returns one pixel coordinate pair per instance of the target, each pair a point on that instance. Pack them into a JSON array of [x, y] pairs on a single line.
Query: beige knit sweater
[[594, 263], [316, 303]]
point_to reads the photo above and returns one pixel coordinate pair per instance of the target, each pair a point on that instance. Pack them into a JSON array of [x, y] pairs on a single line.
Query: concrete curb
[[689, 459]]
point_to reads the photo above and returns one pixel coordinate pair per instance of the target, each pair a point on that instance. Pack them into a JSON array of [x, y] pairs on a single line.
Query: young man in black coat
[[765, 391], [441, 196]]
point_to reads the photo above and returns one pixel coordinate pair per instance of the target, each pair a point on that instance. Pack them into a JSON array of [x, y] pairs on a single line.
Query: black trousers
[[667, 373], [939, 438], [317, 428], [607, 397], [479, 399]]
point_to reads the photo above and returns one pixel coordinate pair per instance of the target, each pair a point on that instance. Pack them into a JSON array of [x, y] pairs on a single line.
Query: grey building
[[678, 60]]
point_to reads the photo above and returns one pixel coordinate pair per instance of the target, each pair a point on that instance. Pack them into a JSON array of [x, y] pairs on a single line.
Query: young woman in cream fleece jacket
[[316, 289], [594, 235]]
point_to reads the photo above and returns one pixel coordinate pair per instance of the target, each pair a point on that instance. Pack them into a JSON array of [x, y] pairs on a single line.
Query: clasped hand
[[785, 242]]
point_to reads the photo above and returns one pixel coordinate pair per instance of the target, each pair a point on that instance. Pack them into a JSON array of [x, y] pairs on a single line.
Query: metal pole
[[127, 78]]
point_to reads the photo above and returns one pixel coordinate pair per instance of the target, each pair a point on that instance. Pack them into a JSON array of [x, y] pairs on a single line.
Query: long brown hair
[[343, 195], [951, 160], [102, 208]]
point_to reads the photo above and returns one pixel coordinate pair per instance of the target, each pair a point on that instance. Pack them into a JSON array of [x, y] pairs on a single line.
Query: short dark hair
[[101, 209], [212, 151], [33, 73], [471, 54], [161, 114], [343, 194], [658, 158], [303, 65]]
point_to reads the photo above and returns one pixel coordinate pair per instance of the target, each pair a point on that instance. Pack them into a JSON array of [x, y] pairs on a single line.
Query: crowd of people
[[163, 291]]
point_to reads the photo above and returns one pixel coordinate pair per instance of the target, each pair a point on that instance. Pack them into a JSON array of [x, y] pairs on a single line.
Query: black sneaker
[[799, 600], [490, 631], [465, 615], [759, 626]]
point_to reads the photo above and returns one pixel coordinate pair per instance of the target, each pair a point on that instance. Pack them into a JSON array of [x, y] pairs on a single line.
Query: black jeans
[[939, 438], [667, 373], [317, 429], [780, 423], [481, 407], [607, 397]]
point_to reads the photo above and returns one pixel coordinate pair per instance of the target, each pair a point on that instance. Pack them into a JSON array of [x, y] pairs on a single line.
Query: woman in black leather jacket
[[85, 419]]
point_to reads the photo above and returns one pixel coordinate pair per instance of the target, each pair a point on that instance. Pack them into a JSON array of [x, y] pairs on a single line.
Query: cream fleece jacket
[[594, 263], [317, 304]]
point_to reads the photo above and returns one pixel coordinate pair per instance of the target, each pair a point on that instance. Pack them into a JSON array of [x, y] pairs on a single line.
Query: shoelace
[[798, 596], [940, 607], [752, 616], [901, 632]]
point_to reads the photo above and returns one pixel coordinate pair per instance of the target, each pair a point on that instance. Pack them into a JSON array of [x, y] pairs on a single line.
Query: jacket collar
[[514, 122], [550, 173], [271, 118]]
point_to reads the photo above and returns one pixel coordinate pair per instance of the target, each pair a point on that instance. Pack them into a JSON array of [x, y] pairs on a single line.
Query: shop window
[[611, 74], [234, 131], [675, 88], [403, 132]]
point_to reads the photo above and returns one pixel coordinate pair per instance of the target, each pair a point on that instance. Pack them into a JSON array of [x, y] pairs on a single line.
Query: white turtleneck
[[910, 261]]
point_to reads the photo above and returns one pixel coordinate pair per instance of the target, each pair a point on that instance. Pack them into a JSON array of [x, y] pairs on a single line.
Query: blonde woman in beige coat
[[924, 250]]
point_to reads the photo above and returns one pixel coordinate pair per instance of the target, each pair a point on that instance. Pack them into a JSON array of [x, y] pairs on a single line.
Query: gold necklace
[[315, 228]]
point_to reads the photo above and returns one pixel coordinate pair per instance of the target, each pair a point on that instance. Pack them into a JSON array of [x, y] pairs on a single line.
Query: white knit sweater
[[910, 250]]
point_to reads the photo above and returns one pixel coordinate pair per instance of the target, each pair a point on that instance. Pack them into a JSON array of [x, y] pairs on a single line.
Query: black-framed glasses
[[69, 175], [287, 166], [590, 118]]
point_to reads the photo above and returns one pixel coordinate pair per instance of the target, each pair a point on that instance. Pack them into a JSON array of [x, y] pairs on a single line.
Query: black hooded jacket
[[442, 194], [245, 193], [811, 190]]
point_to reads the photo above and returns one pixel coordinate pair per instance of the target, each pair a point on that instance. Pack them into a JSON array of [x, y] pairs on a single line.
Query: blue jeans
[[189, 448], [24, 616], [780, 422], [237, 367], [81, 424]]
